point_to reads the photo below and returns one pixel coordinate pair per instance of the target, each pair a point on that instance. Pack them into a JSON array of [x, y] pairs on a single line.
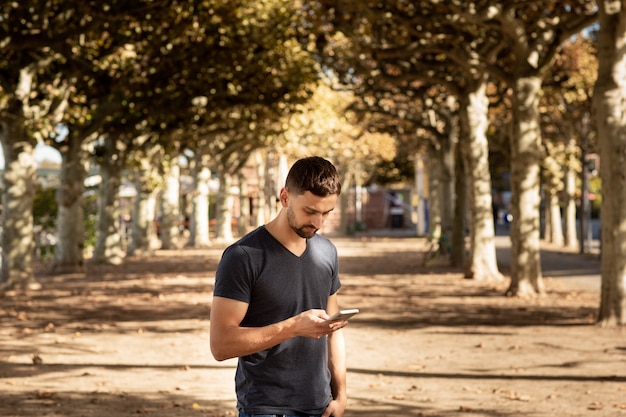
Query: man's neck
[[279, 228]]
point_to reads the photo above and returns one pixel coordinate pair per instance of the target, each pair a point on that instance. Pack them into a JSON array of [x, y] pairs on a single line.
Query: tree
[[143, 171], [609, 97], [535, 32], [49, 47], [32, 97], [199, 218], [124, 70], [109, 247], [410, 45], [567, 128]]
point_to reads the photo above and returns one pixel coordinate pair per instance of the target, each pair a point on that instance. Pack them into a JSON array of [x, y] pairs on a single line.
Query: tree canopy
[[364, 82]]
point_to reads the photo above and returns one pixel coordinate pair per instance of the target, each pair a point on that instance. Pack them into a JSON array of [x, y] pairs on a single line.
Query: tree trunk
[[547, 220], [199, 223], [109, 246], [420, 188], [440, 189], [223, 229], [458, 256], [569, 178], [347, 176], [446, 183], [553, 184], [261, 199], [482, 265], [17, 207], [434, 194], [144, 238], [275, 176], [458, 192], [70, 229], [553, 212], [170, 206], [608, 99], [244, 205], [526, 277]]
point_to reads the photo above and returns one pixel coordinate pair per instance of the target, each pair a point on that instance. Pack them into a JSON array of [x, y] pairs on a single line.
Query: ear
[[284, 197]]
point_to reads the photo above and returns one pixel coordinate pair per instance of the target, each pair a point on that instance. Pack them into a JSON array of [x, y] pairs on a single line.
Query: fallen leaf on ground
[[465, 409], [595, 406], [512, 395]]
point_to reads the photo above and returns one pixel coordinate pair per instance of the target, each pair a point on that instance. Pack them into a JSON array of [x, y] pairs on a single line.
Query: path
[[133, 340], [559, 263]]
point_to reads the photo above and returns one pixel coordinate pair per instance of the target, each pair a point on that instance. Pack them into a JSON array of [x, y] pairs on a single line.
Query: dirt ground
[[133, 340]]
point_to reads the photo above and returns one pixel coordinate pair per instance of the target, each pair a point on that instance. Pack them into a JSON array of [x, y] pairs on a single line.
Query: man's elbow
[[219, 353], [220, 358]]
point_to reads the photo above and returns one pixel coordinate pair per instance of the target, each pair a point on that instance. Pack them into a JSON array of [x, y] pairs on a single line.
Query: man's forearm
[[337, 365], [230, 340], [236, 341]]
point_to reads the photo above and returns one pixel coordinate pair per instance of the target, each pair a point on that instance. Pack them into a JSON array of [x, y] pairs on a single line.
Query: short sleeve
[[233, 278]]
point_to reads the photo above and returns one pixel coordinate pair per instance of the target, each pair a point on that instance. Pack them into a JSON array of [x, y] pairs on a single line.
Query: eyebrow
[[312, 210]]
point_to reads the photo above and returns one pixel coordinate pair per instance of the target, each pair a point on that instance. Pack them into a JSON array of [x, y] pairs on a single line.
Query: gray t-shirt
[[292, 377]]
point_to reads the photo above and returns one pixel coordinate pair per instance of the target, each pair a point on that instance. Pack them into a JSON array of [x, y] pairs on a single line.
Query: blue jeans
[[270, 415]]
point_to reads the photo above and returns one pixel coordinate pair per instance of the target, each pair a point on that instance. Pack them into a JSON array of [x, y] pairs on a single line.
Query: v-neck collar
[[278, 242]]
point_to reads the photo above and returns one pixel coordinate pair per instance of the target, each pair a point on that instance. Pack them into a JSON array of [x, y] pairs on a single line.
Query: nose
[[317, 221]]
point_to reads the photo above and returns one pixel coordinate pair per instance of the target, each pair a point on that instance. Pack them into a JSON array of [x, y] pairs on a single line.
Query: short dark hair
[[314, 174]]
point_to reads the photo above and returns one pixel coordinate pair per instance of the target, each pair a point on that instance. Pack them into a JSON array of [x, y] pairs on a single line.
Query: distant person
[[274, 291], [396, 210]]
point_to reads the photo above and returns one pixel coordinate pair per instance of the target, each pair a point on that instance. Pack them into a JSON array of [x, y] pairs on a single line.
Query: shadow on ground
[[168, 297], [106, 404]]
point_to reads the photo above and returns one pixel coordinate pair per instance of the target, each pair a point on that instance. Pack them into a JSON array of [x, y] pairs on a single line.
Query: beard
[[304, 231]]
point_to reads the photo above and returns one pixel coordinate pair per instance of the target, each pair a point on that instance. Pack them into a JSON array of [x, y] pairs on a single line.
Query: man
[[274, 291]]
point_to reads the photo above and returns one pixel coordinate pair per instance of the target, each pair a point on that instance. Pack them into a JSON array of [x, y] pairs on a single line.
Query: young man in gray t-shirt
[[274, 291]]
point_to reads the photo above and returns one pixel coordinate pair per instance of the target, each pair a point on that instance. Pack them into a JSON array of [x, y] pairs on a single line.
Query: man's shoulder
[[322, 239], [260, 234], [323, 243], [257, 239]]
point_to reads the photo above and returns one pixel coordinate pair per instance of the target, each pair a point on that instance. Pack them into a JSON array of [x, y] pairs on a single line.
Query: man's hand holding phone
[[343, 314]]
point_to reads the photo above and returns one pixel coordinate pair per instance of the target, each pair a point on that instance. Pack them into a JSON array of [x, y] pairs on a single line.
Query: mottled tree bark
[[223, 228], [109, 246], [482, 265], [199, 236], [170, 206], [17, 206], [70, 230], [526, 275], [608, 99]]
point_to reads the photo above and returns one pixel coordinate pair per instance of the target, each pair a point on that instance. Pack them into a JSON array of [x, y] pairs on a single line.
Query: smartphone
[[344, 314]]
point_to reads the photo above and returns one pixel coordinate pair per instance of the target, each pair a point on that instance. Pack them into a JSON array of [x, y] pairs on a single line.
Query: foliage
[[400, 48], [208, 66], [45, 207], [327, 126], [400, 170], [568, 90]]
